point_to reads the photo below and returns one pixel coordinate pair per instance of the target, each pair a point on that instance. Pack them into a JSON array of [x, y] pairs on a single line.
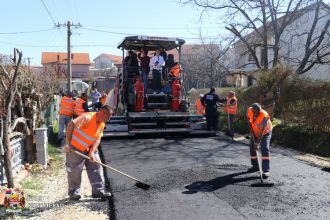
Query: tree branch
[[4, 85], [5, 73]]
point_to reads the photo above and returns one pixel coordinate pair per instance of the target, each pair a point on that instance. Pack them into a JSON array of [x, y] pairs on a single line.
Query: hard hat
[[201, 95]]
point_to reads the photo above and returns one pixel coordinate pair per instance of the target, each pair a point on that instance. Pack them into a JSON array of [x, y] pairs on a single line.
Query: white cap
[[201, 95]]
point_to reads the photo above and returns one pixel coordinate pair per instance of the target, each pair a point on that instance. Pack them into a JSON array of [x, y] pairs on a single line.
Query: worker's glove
[[91, 156], [67, 148], [256, 146]]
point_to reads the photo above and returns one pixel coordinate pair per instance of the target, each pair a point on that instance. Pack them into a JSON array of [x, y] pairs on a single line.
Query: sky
[[29, 24]]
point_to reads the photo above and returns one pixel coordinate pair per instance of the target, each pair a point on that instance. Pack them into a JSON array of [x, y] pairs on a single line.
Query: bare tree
[[316, 45], [254, 21], [8, 127], [204, 63], [23, 95]]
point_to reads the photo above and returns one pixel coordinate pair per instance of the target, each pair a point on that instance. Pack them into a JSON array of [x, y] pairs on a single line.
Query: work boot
[[75, 197], [265, 175], [101, 195], [253, 169], [59, 142]]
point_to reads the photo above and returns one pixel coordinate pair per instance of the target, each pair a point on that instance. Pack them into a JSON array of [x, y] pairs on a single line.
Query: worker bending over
[[83, 135], [261, 133]]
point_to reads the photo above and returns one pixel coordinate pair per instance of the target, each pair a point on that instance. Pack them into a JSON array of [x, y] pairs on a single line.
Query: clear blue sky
[[144, 17]]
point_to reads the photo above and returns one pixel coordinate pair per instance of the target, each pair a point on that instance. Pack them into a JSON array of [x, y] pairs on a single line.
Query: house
[[106, 60], [292, 49], [58, 61], [103, 74]]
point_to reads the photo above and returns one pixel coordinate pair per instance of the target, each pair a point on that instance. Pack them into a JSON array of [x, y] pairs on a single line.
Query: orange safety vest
[[231, 109], [200, 109], [66, 106], [78, 108], [175, 71], [85, 136], [256, 125], [103, 99]]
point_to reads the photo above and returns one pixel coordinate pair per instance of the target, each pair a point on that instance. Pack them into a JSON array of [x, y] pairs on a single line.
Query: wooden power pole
[[69, 33]]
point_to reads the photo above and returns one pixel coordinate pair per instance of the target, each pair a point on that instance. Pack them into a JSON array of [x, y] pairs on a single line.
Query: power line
[[110, 32], [48, 11], [121, 33], [74, 45], [29, 45], [27, 32], [140, 28]]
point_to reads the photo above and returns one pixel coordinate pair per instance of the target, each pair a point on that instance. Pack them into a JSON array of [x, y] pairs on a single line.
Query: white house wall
[[292, 46], [102, 62], [293, 43]]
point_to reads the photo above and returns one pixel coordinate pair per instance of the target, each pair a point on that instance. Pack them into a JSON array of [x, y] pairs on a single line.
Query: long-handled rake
[[138, 183]]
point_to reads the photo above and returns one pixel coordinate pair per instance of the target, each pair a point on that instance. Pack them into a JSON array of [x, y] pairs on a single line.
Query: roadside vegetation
[[299, 108], [33, 184]]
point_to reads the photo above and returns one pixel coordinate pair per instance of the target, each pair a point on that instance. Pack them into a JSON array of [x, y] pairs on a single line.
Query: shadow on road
[[217, 183], [326, 169]]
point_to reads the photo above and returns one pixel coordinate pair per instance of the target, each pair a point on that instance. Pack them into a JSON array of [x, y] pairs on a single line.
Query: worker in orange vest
[[83, 135], [81, 105], [261, 132], [175, 71], [230, 108], [103, 98], [66, 113], [200, 109]]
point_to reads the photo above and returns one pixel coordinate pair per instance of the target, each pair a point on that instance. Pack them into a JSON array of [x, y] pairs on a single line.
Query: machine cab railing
[[164, 98]]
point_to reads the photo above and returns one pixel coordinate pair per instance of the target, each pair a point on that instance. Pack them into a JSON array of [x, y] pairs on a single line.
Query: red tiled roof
[[62, 58]]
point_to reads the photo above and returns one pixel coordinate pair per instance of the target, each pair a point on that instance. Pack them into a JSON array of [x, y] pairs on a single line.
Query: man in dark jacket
[[210, 100]]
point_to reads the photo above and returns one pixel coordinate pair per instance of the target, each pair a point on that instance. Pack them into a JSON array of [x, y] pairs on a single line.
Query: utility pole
[[29, 62], [69, 33], [69, 57]]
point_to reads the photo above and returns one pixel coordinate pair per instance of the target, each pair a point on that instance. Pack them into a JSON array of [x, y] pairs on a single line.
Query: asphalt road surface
[[205, 178]]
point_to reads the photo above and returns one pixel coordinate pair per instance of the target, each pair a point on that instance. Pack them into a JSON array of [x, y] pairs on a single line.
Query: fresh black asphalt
[[205, 178]]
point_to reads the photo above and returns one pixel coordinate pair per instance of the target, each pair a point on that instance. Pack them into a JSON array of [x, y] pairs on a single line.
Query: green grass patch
[[33, 184]]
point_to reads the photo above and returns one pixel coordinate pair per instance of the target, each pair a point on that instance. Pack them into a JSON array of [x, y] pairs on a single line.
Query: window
[[250, 57]]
